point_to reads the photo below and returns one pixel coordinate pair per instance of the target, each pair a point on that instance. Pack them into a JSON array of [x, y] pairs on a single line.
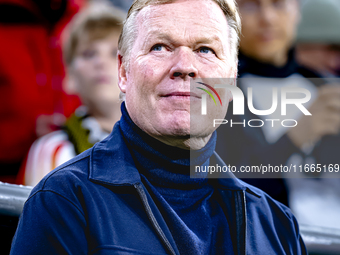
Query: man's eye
[[206, 50], [157, 47]]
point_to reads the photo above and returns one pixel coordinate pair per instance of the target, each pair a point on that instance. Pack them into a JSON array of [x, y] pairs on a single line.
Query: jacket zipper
[[241, 222], [152, 218], [242, 210], [245, 222]]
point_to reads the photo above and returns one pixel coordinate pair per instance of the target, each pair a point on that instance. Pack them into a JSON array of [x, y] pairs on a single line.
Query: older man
[[132, 193]]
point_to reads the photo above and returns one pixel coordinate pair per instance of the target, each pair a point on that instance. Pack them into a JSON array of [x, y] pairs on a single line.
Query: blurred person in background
[[90, 54], [318, 37], [32, 102], [31, 72], [266, 51], [316, 201]]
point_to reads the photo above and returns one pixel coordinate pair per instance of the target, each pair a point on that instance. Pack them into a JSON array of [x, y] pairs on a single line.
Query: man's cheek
[[149, 72]]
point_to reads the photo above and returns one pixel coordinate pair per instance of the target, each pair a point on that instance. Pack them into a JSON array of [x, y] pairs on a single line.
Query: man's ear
[[233, 81], [122, 73]]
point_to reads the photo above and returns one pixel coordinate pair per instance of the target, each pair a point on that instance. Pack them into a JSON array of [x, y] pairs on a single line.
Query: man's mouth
[[184, 95]]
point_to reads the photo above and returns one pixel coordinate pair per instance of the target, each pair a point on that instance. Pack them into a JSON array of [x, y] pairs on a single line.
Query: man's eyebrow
[[208, 40], [161, 36]]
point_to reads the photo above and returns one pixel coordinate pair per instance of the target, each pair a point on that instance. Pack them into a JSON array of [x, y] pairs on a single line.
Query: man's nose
[[184, 64]]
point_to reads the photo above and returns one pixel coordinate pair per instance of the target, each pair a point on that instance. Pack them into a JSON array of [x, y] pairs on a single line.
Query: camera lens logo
[[204, 98]]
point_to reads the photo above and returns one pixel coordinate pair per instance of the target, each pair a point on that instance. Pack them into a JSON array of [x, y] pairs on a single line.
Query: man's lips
[[182, 94]]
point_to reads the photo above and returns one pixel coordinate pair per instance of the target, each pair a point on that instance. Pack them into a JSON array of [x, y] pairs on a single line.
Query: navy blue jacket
[[97, 204]]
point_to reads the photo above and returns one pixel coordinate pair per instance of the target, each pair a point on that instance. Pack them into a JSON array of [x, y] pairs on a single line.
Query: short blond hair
[[129, 32], [97, 21]]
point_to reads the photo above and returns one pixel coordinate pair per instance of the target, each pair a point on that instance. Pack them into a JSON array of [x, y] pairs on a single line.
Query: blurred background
[[280, 39], [33, 97], [292, 44]]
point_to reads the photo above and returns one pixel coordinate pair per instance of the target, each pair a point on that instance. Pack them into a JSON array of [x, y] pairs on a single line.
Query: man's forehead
[[172, 37], [166, 35], [206, 9], [206, 14]]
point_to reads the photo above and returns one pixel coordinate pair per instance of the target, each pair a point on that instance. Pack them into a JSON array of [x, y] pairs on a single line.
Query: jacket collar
[[111, 163]]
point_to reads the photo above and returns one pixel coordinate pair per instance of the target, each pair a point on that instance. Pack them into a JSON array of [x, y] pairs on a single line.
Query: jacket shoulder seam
[[39, 191], [62, 167]]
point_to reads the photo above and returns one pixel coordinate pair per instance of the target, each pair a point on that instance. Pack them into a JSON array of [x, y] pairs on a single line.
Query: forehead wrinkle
[[204, 36], [192, 39], [151, 13], [150, 19]]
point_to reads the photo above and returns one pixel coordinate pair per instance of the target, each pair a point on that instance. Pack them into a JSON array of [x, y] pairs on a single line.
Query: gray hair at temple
[[129, 32]]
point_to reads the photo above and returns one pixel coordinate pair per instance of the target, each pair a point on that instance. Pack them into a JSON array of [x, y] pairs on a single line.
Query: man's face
[[175, 43], [94, 70], [268, 28]]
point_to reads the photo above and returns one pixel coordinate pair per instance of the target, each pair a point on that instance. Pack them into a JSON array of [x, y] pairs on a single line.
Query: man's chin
[[179, 132], [183, 136]]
